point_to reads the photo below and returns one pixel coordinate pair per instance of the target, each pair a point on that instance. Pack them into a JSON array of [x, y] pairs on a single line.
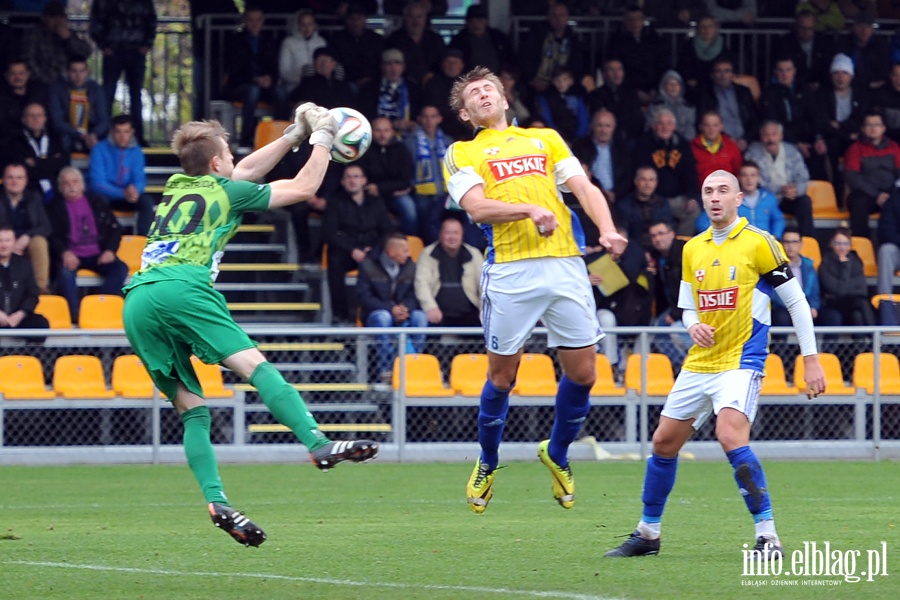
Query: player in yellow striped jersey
[[727, 272], [509, 180]]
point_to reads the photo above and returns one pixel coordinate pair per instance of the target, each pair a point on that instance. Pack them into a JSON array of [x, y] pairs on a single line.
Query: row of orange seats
[[537, 376], [80, 377], [96, 311]]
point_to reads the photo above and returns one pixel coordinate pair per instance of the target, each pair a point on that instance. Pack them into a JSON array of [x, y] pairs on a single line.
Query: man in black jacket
[[38, 148], [86, 235], [787, 100], [323, 87], [124, 32], [810, 51], [605, 157], [17, 89], [481, 44], [251, 71], [665, 264], [389, 169], [18, 290], [24, 210], [642, 54], [387, 297], [355, 222]]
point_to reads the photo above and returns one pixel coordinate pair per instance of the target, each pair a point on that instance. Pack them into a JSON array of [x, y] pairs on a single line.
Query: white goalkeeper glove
[[297, 132], [324, 127]]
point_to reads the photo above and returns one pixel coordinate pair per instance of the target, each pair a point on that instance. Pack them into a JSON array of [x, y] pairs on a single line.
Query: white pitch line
[[322, 580]]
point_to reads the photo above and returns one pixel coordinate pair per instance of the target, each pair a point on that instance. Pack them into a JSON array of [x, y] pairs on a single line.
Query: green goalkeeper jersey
[[195, 220]]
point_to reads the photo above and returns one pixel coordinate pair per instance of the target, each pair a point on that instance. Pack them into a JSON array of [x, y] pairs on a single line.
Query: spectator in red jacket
[[871, 166], [713, 149]]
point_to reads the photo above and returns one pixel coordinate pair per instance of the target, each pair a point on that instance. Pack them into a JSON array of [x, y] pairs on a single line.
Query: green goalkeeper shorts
[[167, 321]]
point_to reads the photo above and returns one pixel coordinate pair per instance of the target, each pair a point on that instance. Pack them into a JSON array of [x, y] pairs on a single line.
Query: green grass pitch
[[399, 531]]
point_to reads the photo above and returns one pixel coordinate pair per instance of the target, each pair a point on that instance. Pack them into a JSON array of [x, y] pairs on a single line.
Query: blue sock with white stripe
[[751, 481], [658, 483], [573, 401], [491, 420]]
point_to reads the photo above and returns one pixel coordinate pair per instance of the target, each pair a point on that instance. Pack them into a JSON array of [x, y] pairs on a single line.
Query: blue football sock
[[751, 481], [658, 483], [573, 401], [491, 420]]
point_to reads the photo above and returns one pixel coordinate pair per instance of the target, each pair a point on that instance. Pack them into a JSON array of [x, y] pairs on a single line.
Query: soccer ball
[[353, 137]]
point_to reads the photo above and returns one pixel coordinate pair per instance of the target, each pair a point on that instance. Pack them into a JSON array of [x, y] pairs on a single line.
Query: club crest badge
[[700, 274], [492, 151]]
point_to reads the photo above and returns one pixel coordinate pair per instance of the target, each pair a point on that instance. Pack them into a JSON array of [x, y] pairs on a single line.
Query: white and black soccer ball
[[354, 135]]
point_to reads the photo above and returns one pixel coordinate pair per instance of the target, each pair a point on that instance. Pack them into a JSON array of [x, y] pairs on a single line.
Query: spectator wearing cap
[[357, 48], [870, 53], [393, 95], [422, 47], [481, 44], [448, 277], [296, 55], [837, 117], [437, 93], [323, 86], [48, 47]]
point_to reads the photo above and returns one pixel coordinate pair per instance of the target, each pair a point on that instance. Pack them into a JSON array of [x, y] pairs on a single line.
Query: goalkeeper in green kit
[[172, 311]]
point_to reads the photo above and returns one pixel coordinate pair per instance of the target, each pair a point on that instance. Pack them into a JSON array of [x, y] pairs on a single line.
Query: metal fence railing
[[337, 370]]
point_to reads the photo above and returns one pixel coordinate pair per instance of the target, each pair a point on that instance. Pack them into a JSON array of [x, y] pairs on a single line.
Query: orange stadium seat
[[536, 377], [268, 130], [130, 378], [775, 383], [416, 245], [866, 252], [423, 377], [211, 380], [810, 249], [101, 311], [834, 379], [824, 201], [660, 377], [22, 378], [131, 248], [56, 310], [80, 376], [864, 373], [468, 372], [606, 383]]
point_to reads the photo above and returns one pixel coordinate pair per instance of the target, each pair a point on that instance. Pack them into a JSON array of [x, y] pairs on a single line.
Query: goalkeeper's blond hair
[[196, 143]]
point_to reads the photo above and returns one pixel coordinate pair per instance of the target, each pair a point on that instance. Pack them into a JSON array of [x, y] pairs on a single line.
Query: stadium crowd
[[647, 129]]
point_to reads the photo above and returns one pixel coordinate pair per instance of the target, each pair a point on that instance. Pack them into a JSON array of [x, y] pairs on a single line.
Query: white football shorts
[[696, 395], [556, 291]]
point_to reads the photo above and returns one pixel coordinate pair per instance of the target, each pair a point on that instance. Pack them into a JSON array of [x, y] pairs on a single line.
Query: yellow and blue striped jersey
[[730, 285], [518, 166]]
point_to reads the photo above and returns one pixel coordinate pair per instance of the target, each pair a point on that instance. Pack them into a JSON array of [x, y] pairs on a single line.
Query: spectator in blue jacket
[[759, 205], [78, 108], [387, 297], [118, 173], [563, 107], [805, 273]]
